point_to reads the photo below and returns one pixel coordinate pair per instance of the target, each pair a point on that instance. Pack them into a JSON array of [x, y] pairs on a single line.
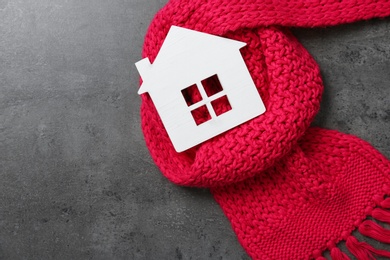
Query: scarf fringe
[[363, 250], [368, 228]]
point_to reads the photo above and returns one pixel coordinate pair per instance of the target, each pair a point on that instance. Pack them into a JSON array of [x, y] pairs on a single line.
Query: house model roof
[[185, 55]]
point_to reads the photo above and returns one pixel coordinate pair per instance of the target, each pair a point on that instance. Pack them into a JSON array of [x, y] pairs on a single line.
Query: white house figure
[[186, 59]]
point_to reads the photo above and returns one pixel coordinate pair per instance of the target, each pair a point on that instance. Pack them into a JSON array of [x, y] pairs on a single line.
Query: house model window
[[200, 86], [206, 99]]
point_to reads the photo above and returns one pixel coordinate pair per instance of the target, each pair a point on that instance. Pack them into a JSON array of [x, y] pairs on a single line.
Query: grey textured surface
[[77, 181]]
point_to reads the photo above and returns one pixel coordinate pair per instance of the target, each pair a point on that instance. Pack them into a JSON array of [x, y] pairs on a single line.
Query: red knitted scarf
[[289, 191]]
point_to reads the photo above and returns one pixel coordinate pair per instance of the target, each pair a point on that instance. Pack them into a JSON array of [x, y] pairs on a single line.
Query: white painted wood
[[187, 57]]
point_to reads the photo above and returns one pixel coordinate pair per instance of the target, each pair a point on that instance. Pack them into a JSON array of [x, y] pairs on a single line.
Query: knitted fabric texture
[[289, 191]]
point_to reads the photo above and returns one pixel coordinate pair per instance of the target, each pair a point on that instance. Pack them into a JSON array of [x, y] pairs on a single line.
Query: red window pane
[[212, 85], [191, 95], [221, 105], [201, 115]]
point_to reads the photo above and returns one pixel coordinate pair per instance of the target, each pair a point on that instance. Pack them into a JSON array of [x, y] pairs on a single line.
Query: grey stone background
[[76, 180]]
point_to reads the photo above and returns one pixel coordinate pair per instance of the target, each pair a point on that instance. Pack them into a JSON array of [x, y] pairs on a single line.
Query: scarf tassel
[[385, 203], [371, 229], [336, 254], [381, 215]]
